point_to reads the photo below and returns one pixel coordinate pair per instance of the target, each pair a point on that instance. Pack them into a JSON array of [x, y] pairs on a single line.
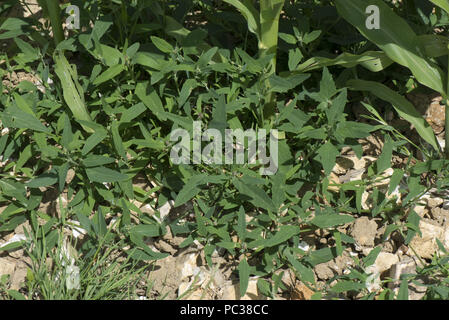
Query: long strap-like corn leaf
[[395, 38]]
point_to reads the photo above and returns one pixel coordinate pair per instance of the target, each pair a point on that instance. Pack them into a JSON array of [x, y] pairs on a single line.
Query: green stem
[[53, 10], [446, 130], [270, 11], [446, 119]]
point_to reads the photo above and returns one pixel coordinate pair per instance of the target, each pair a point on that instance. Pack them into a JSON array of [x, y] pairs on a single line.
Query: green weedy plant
[[265, 25], [401, 44], [72, 91]]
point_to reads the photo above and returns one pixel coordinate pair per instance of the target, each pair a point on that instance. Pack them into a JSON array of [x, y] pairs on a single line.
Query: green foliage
[[109, 95]]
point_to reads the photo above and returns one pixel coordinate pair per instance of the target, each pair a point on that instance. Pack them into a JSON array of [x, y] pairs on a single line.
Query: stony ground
[[185, 274]]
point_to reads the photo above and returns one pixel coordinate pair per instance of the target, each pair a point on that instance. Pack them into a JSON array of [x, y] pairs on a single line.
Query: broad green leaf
[[72, 91], [372, 256], [16, 295], [384, 160], [44, 180], [186, 90], [396, 38], [103, 174], [31, 54], [395, 179], [243, 276], [12, 246], [434, 45], [12, 223], [97, 160], [264, 287], [111, 56], [328, 154], [148, 60], [280, 84], [190, 189], [93, 140], [331, 220], [151, 99], [241, 225], [99, 223], [133, 112], [250, 13], [404, 107], [344, 286], [146, 230], [403, 290], [336, 108], [327, 88], [22, 104], [67, 134], [62, 175], [117, 140], [321, 256], [219, 116], [374, 61], [23, 120], [161, 44], [108, 74], [258, 196], [305, 273], [285, 233]]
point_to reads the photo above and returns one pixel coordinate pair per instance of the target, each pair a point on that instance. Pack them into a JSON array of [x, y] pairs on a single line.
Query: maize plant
[[403, 46], [52, 10], [264, 23]]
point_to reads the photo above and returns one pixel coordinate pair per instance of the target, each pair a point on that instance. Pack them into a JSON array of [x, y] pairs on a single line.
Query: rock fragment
[[364, 231]]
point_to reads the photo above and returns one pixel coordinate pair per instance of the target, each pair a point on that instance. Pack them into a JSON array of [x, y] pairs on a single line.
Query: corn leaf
[[443, 4], [404, 107], [395, 38]]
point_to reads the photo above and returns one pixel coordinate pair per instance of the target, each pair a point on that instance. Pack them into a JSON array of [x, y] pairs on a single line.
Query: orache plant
[[400, 43], [72, 91], [265, 25]]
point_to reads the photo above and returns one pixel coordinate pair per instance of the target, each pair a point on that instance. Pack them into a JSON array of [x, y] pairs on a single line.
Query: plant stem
[[270, 11], [446, 130], [53, 10], [446, 117]]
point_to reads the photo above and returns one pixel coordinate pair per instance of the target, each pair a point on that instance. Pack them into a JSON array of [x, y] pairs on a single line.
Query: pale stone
[[165, 209], [434, 202], [323, 271], [426, 245], [385, 260], [364, 231], [18, 277], [188, 267], [406, 266], [232, 292], [420, 210], [6, 266]]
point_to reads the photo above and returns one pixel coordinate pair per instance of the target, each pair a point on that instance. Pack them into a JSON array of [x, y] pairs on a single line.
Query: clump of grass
[[108, 274]]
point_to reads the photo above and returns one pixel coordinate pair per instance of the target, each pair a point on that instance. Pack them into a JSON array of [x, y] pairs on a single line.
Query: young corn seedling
[[265, 25], [416, 52]]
